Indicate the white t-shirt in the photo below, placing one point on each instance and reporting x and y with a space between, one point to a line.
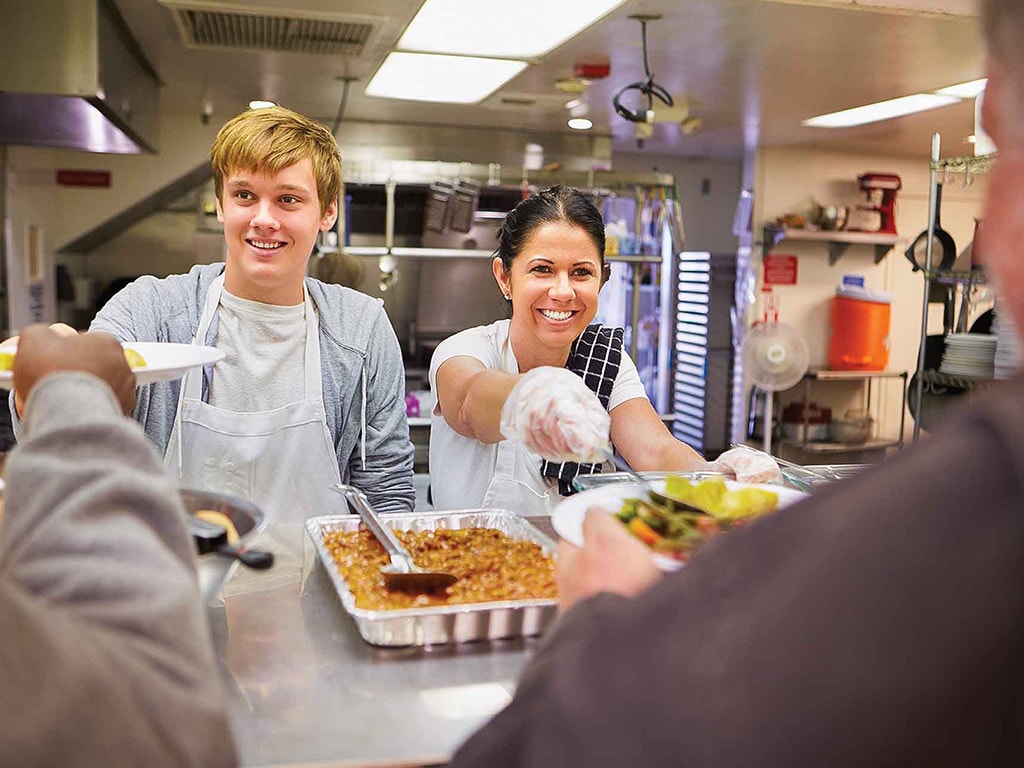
265 348
461 468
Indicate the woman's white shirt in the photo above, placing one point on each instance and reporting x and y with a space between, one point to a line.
461 469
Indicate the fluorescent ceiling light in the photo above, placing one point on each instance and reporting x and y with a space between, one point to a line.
260 104
965 90
581 124
449 79
883 110
521 29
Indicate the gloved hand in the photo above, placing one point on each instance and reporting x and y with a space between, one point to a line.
556 416
748 465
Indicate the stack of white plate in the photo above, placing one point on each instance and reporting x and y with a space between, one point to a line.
971 355
1009 354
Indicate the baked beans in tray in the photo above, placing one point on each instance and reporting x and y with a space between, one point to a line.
505 566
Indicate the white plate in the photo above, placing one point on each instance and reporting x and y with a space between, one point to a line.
567 517
164 361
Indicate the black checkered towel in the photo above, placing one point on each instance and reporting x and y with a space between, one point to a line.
595 357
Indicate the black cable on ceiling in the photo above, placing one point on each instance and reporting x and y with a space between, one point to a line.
647 86
347 81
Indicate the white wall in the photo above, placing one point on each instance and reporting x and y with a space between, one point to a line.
31 204
789 180
64 213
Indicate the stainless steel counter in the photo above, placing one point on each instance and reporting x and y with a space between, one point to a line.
304 688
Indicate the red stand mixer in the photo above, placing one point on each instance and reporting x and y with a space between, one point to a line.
881 189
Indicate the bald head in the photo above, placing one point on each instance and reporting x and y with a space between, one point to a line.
1002 234
1003 22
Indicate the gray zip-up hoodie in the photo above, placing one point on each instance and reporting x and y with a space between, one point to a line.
360 359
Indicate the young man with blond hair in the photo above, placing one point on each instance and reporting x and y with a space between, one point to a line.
311 391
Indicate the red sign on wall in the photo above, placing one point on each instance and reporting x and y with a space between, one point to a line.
83 178
779 269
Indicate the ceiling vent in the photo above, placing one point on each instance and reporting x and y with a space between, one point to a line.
222 26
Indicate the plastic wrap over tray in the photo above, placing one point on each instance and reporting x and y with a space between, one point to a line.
436 625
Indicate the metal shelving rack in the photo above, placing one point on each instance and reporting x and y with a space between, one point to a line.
867 377
968 165
597 183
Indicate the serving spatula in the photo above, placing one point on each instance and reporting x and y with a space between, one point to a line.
402 574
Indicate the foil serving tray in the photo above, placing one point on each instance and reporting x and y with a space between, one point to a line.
442 624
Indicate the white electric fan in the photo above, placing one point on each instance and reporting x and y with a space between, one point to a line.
775 358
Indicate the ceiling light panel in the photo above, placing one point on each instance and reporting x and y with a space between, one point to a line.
449 79
522 29
884 110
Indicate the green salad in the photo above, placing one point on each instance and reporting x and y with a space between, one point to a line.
686 515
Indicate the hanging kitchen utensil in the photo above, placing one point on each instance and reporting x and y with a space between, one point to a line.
945 257
439 197
948 308
965 306
463 206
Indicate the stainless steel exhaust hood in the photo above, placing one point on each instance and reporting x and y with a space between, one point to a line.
74 77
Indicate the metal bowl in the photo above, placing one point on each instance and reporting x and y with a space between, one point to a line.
247 518
830 218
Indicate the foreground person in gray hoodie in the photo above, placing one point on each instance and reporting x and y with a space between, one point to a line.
104 651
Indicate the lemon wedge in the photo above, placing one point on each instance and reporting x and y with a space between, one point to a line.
219 518
134 359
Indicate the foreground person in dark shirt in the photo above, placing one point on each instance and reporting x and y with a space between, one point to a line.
880 623
104 653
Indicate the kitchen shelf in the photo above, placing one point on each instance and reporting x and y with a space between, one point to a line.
949 380
838 241
965 163
867 377
470 253
939 166
830 375
412 172
977 277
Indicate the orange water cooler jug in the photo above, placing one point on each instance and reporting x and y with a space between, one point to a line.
860 330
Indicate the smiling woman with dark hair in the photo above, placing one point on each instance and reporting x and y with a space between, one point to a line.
547 376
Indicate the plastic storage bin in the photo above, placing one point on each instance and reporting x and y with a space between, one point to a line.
860 330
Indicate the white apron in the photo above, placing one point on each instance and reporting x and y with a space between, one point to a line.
282 460
524 497
531 494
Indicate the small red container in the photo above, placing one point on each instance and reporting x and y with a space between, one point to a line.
860 330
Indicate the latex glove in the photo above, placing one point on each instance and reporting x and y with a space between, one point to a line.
610 560
556 416
748 465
